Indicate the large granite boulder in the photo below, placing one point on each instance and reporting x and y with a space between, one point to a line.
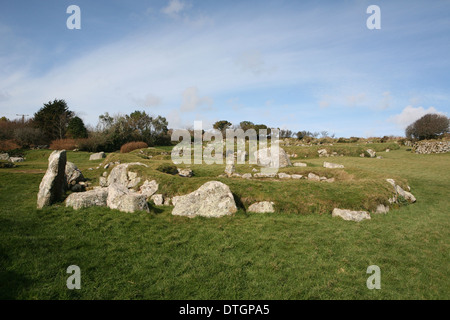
96 197
265 158
213 199
350 215
120 175
125 200
53 184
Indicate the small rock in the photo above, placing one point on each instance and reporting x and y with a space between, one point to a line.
157 199
97 156
332 165
283 175
300 164
186 173
350 215
313 177
262 207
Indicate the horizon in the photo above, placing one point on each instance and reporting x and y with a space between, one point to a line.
288 65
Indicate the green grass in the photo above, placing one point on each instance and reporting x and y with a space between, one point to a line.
289 254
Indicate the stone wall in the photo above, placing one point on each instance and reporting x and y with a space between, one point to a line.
427 147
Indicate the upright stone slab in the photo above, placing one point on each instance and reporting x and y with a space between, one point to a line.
53 184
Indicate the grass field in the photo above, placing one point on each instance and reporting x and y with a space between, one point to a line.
299 252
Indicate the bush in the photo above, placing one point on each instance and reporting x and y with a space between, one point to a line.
168 168
130 146
7 145
28 136
63 144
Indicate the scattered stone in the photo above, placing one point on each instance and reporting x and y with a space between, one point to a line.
283 175
322 152
332 165
73 174
230 169
247 176
313 177
350 215
157 199
330 180
379 157
53 184
97 156
381 208
300 164
96 197
297 176
265 158
107 165
388 150
362 155
371 153
399 191
254 170
186 173
213 199
16 159
264 175
4 156
262 207
167 201
133 179
149 188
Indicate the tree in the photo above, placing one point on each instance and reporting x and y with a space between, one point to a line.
222 125
246 125
76 129
430 126
53 119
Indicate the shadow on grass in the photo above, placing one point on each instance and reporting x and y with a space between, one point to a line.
12 283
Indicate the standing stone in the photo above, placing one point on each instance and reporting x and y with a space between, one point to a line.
350 215
53 184
213 199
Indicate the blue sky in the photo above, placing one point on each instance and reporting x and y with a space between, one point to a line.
302 65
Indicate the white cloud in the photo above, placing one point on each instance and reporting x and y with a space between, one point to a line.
252 61
192 100
174 8
411 114
386 102
148 101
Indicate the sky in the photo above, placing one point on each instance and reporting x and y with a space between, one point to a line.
298 65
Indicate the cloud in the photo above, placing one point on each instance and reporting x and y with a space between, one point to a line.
252 61
356 100
148 101
174 8
386 102
191 100
411 114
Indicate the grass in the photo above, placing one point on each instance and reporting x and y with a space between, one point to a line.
289 254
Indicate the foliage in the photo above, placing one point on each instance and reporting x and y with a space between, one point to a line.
76 129
430 126
53 119
63 144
